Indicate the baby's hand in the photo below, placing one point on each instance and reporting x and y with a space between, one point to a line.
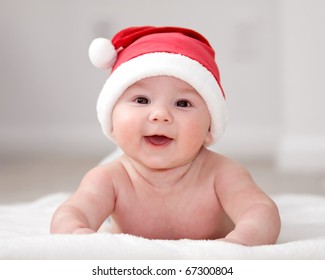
83 231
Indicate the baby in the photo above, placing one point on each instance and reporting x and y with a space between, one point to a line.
163 105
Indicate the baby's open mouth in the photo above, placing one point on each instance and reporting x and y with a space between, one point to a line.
158 140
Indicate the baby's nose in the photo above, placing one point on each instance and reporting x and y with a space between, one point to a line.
161 114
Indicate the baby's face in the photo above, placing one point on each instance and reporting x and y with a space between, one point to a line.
161 122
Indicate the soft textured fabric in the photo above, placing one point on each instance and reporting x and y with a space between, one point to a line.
24 234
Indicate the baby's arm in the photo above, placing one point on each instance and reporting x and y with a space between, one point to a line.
255 215
88 207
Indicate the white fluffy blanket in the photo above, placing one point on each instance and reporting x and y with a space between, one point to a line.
24 234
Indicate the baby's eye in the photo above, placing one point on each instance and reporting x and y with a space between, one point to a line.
142 100
183 103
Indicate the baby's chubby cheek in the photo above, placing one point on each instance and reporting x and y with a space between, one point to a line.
197 133
125 128
121 124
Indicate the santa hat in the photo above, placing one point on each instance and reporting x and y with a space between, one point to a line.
136 53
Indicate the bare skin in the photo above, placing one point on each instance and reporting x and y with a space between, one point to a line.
167 185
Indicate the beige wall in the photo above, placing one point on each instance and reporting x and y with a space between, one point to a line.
48 88
302 141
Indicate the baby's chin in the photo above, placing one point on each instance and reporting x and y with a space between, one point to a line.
161 163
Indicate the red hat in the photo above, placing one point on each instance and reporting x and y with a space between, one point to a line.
136 53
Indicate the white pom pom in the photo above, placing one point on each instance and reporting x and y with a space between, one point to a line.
102 53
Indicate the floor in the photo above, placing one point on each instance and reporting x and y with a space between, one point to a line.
26 179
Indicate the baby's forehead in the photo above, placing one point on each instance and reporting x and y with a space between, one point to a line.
170 81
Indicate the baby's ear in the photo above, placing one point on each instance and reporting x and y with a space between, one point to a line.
208 139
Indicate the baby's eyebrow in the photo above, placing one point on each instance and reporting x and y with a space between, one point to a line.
138 85
141 85
185 87
142 82
188 90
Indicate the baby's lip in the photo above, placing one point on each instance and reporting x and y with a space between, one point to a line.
158 140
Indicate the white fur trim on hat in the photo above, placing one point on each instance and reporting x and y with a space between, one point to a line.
156 64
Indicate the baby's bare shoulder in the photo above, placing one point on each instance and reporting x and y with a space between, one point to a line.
225 169
104 174
221 162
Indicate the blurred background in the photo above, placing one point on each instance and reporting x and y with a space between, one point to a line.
271 54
